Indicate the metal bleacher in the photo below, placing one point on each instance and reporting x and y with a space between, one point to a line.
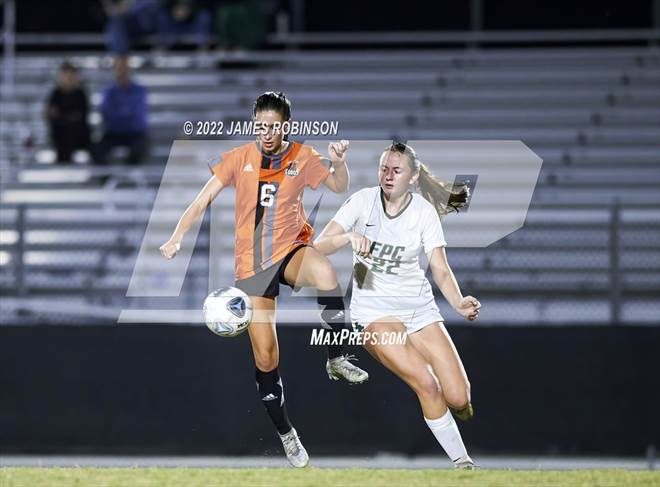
590 249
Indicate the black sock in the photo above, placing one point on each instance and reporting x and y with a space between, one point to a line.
333 314
271 393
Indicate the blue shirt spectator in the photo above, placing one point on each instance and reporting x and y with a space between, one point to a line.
128 20
124 108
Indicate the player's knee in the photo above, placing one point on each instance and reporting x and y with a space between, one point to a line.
427 386
266 360
325 277
458 397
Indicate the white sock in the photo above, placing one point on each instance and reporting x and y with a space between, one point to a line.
446 432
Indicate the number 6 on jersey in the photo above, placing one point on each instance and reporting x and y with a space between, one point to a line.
267 195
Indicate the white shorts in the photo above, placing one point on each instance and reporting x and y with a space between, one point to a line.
413 321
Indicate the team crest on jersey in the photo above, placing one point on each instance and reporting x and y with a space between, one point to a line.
292 170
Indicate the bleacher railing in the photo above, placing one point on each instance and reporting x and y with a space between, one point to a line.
615 296
473 38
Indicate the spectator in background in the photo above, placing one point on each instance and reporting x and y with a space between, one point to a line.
66 113
240 24
127 20
124 111
179 18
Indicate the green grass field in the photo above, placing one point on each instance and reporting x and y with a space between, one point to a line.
197 477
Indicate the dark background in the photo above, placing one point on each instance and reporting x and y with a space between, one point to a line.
373 15
153 389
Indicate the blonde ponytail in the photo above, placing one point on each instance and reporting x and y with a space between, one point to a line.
443 196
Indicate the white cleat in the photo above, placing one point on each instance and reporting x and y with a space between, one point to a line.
295 451
341 367
465 463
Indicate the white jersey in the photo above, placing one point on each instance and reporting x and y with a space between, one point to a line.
391 281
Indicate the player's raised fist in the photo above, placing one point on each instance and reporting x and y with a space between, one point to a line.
361 245
469 308
337 151
170 248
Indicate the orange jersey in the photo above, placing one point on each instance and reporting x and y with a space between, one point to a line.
270 218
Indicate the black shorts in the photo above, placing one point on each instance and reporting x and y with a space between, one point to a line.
267 283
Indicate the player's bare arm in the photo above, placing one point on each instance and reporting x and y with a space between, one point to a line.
338 179
468 307
333 237
194 211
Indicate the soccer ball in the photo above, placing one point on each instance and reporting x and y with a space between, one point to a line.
227 311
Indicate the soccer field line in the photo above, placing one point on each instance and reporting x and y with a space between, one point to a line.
383 461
